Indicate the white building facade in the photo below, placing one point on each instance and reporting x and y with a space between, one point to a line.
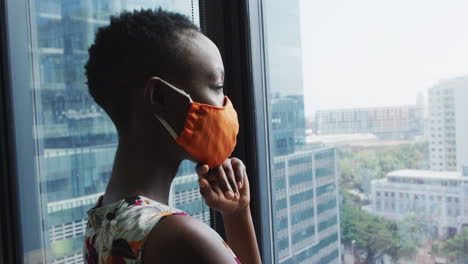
399 122
461 125
448 125
436 198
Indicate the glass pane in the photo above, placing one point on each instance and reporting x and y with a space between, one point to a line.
303 176
369 136
76 141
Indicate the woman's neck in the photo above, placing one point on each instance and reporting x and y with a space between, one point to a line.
143 169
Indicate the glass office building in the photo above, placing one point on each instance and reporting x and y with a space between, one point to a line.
306 211
305 206
304 188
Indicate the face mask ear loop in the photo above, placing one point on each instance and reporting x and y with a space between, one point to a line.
167 126
182 92
163 122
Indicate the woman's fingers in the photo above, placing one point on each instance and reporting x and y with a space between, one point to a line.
223 176
208 193
218 191
202 169
215 182
227 166
224 182
239 169
245 192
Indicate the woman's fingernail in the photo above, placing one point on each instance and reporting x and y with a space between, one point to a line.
230 194
239 184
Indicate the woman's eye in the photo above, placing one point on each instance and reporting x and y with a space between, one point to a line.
219 88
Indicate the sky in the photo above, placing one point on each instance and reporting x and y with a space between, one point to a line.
365 53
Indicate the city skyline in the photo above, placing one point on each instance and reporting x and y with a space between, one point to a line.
384 63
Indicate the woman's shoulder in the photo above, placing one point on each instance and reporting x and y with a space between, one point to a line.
120 229
181 238
133 215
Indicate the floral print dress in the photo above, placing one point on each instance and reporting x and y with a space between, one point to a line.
116 233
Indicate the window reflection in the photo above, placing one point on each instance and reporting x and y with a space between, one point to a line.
304 176
76 141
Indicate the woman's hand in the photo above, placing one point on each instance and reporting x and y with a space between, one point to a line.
226 187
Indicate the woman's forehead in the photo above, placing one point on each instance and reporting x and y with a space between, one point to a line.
203 57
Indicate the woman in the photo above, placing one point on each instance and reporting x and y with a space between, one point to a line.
161 82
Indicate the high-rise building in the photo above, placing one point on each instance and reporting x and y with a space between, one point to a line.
288 124
448 125
306 226
185 193
461 124
306 208
400 122
284 48
304 190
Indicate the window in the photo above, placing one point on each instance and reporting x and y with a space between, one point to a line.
74 139
339 92
309 229
346 96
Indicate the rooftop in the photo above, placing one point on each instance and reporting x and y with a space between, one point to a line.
445 175
341 138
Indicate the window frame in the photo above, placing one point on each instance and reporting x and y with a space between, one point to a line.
17 143
237 28
10 243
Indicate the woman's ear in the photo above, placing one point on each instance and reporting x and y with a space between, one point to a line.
168 102
154 95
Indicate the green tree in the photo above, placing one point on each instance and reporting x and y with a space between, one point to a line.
456 248
370 234
407 237
359 168
376 236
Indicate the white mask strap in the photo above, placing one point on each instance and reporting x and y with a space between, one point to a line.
167 126
182 92
163 122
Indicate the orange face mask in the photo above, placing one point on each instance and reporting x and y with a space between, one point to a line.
209 133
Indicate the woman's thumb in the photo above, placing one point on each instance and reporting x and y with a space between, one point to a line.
202 169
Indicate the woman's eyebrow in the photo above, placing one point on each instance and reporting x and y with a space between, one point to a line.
217 75
221 70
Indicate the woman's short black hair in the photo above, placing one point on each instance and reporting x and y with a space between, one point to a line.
133 47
